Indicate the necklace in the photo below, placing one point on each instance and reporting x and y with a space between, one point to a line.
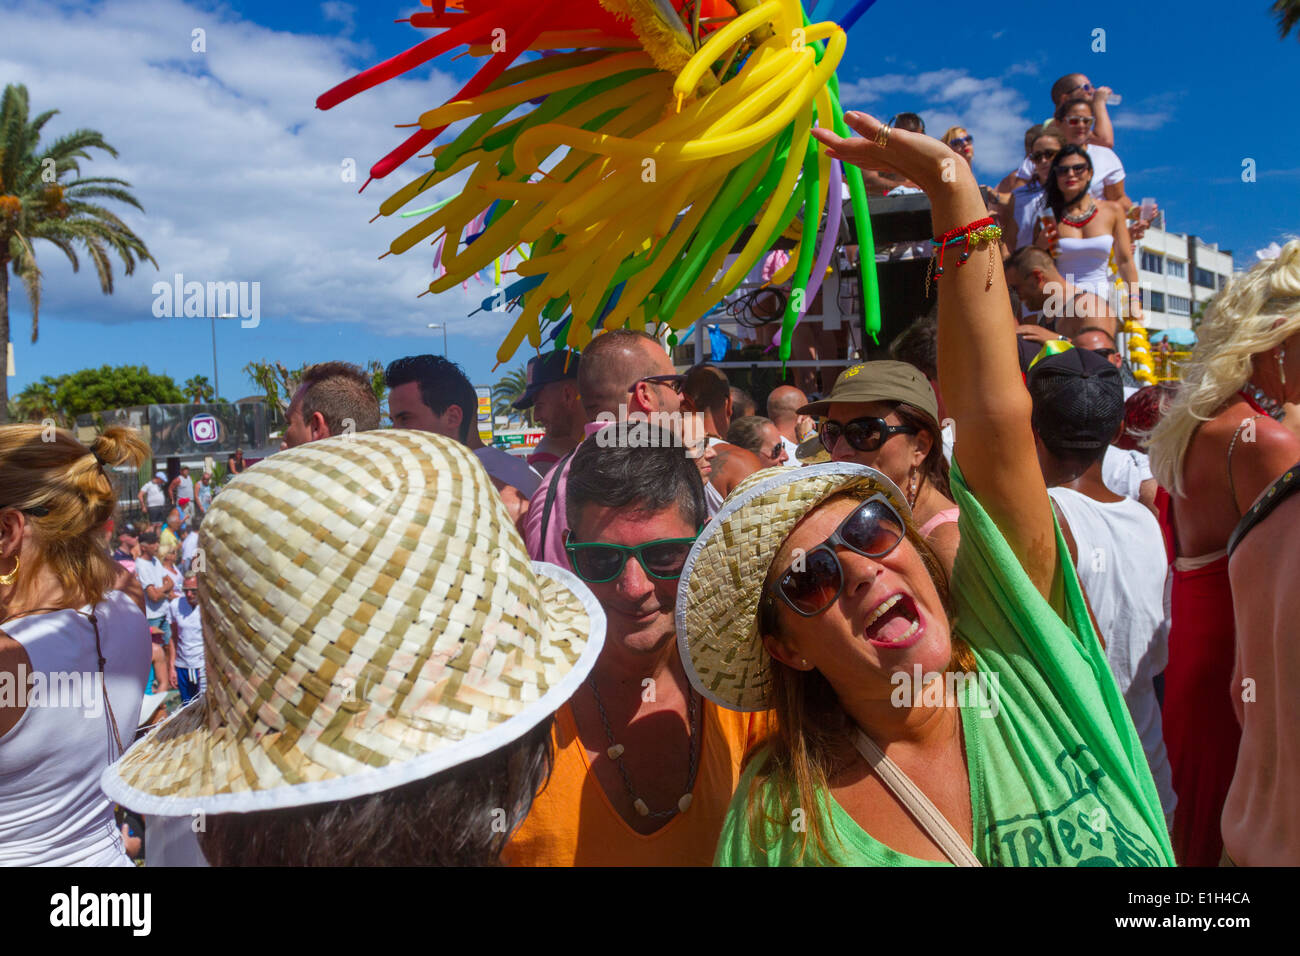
1080 222
1268 406
616 753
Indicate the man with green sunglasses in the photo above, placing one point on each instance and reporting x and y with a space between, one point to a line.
644 765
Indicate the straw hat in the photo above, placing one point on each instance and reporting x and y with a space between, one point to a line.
720 586
370 618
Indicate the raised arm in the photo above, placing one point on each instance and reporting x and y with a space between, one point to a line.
979 366
1103 133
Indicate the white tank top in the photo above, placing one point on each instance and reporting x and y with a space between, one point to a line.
52 811
1084 261
1122 567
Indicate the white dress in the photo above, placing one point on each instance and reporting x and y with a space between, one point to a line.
1083 262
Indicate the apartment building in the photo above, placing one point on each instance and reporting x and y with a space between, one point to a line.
1178 273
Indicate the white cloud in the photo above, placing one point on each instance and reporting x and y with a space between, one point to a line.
1145 121
239 173
1270 251
995 114
339 12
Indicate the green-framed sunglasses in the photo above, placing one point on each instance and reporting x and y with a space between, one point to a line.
599 563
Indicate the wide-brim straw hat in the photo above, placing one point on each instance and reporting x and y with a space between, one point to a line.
722 581
370 618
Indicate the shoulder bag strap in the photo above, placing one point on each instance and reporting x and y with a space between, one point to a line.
925 813
560 465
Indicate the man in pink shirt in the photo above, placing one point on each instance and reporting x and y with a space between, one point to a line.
622 373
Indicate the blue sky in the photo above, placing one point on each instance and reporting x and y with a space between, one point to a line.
241 176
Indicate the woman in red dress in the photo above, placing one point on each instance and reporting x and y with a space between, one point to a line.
1218 446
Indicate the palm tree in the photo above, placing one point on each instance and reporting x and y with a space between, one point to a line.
37 402
44 196
507 390
199 390
1288 15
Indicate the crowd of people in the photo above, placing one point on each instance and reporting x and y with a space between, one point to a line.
948 612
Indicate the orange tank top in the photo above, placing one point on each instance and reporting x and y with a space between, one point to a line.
573 823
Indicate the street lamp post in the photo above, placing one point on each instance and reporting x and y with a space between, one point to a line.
443 326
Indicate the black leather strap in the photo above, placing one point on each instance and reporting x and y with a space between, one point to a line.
550 494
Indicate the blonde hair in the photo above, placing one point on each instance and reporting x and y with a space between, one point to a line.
46 468
1256 312
949 136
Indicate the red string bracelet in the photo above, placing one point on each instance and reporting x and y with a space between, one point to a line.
981 230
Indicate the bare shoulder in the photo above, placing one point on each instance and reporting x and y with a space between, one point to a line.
944 539
1259 459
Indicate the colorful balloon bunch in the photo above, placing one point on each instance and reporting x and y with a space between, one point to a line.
632 157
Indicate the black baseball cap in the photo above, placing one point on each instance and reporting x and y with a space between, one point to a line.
1078 401
558 366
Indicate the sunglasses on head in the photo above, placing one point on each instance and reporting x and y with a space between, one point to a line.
864 434
599 563
1043 155
675 382
1074 169
815 581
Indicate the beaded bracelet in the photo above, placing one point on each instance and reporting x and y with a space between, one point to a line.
981 230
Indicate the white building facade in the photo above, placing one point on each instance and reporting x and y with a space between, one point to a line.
1177 274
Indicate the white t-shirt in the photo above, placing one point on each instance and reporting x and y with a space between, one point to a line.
152 574
506 467
1122 568
189 630
1027 204
189 548
949 436
1106 170
154 496
791 448
1124 471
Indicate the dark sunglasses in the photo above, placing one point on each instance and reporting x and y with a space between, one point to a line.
1080 120
1074 169
961 141
599 563
815 582
775 451
1106 353
675 382
37 512
1086 87
864 434
1043 155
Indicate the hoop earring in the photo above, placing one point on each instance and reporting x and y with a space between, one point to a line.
12 576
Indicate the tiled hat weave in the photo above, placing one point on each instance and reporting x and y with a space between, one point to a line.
370 618
722 582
